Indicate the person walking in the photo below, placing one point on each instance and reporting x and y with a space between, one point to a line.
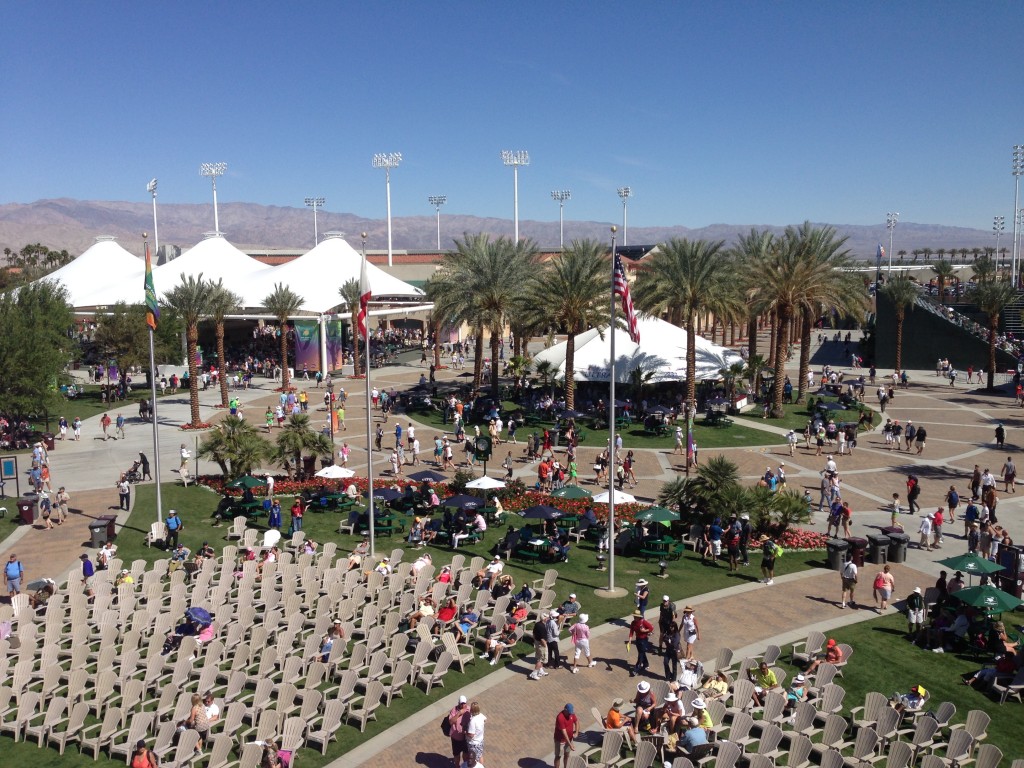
580 635
62 499
1009 475
458 724
105 425
124 493
475 734
14 572
76 425
672 649
639 630
690 631
848 575
540 647
119 427
554 656
88 575
144 466
768 555
883 587
567 728
174 529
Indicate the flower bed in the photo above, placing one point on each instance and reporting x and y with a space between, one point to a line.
189 427
801 539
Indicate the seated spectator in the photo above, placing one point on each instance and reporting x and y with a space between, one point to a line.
309 547
504 586
911 701
352 492
645 703
716 687
689 677
498 642
465 625
334 634
833 655
1005 666
38 598
524 595
416 533
616 721
424 610
179 557
568 610
797 692
694 736
383 567
361 550
700 711
445 577
124 577
107 553
205 552
486 576
764 680
671 712
446 615
418 565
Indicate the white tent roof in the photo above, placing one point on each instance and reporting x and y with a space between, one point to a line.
96 276
662 349
318 274
216 259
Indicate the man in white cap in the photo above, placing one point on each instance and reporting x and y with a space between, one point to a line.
569 609
554 657
458 722
580 634
915 613
694 736
666 615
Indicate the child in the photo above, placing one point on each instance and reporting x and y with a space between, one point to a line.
894 518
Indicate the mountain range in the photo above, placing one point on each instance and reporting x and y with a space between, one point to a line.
75 224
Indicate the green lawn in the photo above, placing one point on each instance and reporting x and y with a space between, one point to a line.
797 416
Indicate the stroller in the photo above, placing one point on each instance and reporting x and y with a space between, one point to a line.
133 475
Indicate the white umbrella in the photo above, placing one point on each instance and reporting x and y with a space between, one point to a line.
621 497
335 472
486 483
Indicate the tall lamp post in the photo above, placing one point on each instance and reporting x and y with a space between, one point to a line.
387 161
1018 170
625 193
890 224
213 170
560 196
330 413
437 201
314 203
151 188
998 227
515 159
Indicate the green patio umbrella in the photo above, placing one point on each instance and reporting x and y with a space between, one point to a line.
971 564
657 515
988 597
571 492
247 481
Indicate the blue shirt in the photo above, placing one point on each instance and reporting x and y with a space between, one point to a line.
173 523
88 570
693 737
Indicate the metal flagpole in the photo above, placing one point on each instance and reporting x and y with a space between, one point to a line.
152 388
363 287
611 435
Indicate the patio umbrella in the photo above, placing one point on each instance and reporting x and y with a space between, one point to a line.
988 597
542 512
462 501
570 414
388 494
832 407
570 492
428 475
657 515
971 564
486 483
335 472
621 497
199 616
37 584
247 481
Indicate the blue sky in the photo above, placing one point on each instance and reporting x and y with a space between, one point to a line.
760 113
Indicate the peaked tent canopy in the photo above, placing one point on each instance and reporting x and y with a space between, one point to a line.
88 278
662 349
216 259
318 274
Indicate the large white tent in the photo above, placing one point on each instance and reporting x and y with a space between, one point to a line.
216 259
100 275
662 349
318 274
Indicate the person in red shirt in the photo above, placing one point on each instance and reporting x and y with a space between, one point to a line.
567 728
297 510
639 631
937 528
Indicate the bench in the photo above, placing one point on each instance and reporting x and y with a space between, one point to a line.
528 554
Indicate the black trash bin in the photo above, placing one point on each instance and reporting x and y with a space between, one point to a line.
837 553
898 547
27 511
857 548
48 440
98 533
878 548
111 522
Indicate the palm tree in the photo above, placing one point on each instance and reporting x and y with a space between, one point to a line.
639 377
992 297
752 248
282 303
685 278
902 254
235 446
943 272
570 293
903 293
984 270
351 292
190 299
299 437
222 302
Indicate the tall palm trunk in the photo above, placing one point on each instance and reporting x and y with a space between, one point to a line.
191 345
436 331
570 375
356 341
993 329
285 378
478 356
495 349
900 312
805 354
773 343
222 367
751 338
785 312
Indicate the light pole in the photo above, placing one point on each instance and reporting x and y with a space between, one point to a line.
890 224
330 413
314 203
151 188
437 201
387 161
998 227
515 159
213 170
1018 170
561 195
625 193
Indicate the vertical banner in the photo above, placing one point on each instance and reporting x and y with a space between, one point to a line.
335 342
307 345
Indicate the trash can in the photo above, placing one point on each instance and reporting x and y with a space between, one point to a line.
878 548
837 553
98 533
555 435
857 549
111 522
48 441
898 547
27 511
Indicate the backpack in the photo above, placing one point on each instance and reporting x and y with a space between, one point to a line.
446 725
779 551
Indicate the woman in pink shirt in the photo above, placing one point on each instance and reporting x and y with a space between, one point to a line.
580 635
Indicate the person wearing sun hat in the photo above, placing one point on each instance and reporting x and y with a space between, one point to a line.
767 559
700 711
671 712
616 721
641 595
666 615
645 702
639 630
915 612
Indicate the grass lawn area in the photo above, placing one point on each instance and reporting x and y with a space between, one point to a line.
797 416
884 660
9 524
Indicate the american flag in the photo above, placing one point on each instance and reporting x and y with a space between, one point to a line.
620 287
879 254
364 299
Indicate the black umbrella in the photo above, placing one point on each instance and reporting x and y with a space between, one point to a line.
428 475
388 494
832 406
462 501
542 512
570 414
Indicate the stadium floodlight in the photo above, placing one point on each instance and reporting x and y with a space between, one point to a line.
560 196
625 193
437 201
515 159
213 170
314 203
890 224
151 188
1018 171
387 161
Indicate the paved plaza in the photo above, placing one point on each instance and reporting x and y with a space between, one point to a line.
960 424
